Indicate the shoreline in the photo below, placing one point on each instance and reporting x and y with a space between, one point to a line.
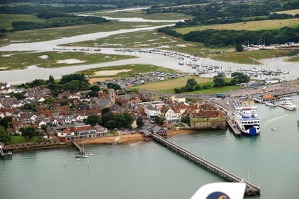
109 140
128 138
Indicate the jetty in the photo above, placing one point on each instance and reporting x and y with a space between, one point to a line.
233 127
229 120
251 190
78 147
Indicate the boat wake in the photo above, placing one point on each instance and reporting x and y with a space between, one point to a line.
274 119
134 144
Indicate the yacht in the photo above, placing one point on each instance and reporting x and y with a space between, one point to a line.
271 104
288 105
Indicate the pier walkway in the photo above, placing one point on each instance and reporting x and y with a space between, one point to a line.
251 190
229 120
233 127
79 148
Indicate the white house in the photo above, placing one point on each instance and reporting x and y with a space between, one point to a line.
81 117
33 117
41 99
172 116
41 123
151 111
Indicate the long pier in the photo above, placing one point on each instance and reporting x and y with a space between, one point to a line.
251 190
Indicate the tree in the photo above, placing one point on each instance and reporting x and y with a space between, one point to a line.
139 122
51 79
68 78
186 119
159 120
29 107
4 136
19 96
239 48
219 81
6 121
123 120
191 85
44 127
114 86
49 100
238 78
76 85
105 110
95 88
27 132
93 120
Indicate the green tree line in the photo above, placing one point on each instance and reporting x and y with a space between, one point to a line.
116 3
192 85
233 37
227 12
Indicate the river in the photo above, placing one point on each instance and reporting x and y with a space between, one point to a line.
34 72
148 170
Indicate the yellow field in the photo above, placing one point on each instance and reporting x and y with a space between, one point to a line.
252 25
289 12
172 84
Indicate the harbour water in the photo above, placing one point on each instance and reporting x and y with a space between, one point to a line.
148 170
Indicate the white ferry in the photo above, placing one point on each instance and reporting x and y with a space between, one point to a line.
247 120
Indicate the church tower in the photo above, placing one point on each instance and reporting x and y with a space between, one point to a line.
112 95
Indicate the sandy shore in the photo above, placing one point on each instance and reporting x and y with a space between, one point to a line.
128 138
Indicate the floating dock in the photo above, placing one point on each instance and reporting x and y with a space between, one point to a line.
251 190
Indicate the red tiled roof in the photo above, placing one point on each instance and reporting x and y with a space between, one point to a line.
77 129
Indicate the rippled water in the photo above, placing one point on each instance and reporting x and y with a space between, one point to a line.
148 170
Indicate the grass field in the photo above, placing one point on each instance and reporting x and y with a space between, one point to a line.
57 33
136 68
13 60
252 25
142 14
250 57
170 85
17 139
7 19
289 12
216 90
294 59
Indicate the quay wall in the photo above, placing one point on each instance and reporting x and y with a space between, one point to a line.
34 146
208 124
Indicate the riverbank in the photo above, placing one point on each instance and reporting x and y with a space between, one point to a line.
128 138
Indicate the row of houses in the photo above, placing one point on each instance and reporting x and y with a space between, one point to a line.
63 119
174 109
